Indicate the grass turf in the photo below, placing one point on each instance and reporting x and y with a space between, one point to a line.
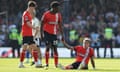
102 65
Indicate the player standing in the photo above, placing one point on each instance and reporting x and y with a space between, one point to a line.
28 35
51 21
36 34
83 54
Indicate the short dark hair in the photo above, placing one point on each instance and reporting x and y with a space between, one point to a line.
32 4
54 4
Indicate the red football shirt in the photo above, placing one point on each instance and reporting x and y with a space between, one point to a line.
80 51
26 30
50 22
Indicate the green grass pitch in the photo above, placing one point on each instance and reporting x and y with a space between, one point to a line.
102 65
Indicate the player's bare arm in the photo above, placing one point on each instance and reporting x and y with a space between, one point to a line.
67 46
30 25
93 62
41 30
61 29
37 30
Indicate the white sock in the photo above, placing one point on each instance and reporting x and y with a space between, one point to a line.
39 62
36 64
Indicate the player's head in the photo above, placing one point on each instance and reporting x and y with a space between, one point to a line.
86 42
55 6
32 4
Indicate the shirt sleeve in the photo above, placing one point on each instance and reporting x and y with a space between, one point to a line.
26 18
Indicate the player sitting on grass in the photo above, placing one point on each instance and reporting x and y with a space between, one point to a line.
83 54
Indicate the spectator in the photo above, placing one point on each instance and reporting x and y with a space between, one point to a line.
108 40
95 43
14 36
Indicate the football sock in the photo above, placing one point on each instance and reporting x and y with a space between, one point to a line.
22 56
56 59
35 55
46 57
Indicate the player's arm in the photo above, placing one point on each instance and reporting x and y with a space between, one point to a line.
61 29
42 24
66 45
93 62
37 30
60 26
30 25
41 30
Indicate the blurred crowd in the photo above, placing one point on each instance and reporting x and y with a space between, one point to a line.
97 19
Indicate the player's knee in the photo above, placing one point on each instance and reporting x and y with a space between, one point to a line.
24 47
33 46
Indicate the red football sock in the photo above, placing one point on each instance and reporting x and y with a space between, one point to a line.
35 55
56 59
46 57
22 56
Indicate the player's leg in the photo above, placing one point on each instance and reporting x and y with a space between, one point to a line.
22 55
52 51
39 56
27 56
37 41
34 53
74 65
54 47
28 53
33 46
47 39
47 54
55 55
